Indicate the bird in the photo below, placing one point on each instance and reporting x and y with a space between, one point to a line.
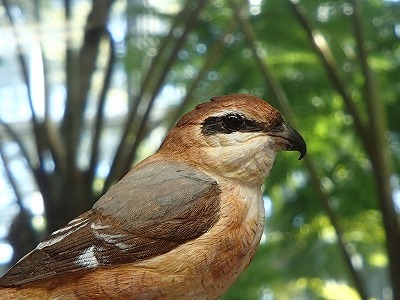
181 224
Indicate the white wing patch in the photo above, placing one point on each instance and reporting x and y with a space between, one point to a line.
62 233
109 238
99 226
87 258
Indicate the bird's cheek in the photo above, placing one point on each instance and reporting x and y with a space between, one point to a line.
212 141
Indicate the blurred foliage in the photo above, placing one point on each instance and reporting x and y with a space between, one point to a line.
299 257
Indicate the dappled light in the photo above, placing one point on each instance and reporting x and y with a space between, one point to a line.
90 89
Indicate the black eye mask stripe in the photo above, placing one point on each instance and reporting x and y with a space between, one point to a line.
220 124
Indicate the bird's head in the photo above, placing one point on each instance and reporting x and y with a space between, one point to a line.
232 136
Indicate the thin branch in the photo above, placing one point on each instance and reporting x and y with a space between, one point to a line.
151 73
324 199
21 146
380 155
265 71
39 176
50 136
56 147
23 216
78 88
100 109
21 222
284 102
190 24
10 176
115 171
369 84
70 94
212 55
39 142
322 50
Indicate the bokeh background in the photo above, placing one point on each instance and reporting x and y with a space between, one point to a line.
89 88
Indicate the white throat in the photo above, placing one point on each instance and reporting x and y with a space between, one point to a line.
247 156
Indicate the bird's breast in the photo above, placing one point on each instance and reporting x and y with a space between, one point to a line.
207 266
241 228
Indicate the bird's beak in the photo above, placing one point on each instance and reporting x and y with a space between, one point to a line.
295 141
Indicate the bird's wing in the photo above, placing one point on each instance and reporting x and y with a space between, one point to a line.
151 211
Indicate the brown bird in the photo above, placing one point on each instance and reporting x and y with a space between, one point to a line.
182 224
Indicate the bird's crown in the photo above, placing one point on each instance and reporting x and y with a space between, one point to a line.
250 107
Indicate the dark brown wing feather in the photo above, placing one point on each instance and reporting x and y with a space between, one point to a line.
151 211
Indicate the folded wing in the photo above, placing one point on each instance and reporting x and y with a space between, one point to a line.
152 210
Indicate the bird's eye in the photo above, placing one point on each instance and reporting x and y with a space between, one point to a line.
233 122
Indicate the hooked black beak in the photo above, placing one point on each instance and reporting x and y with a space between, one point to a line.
295 141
